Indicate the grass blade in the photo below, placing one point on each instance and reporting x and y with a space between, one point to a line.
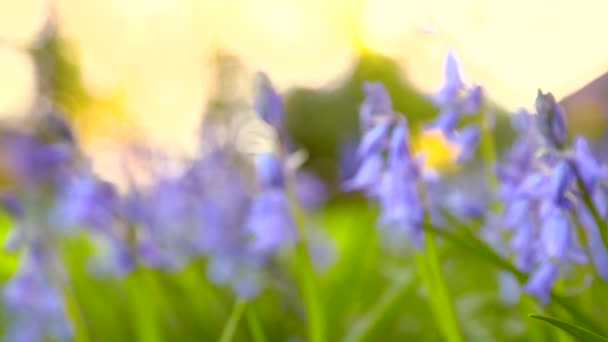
572 329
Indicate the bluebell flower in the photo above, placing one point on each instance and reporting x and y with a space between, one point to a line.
270 221
35 305
389 172
552 119
377 104
454 100
310 191
453 84
268 103
541 282
86 201
32 161
537 185
587 165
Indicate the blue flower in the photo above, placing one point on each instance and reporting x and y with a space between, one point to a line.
450 90
389 173
538 187
454 100
268 103
541 282
35 305
309 190
552 119
34 162
270 221
87 201
377 104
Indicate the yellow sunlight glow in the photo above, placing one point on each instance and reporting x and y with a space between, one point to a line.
510 47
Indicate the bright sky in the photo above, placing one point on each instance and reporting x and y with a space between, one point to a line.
157 52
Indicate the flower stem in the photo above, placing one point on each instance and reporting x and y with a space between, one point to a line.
588 201
255 326
308 285
233 321
145 310
81 331
439 298
487 146
479 248
391 299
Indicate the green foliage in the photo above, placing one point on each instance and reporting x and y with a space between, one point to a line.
578 332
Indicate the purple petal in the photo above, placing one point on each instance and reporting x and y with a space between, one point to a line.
541 282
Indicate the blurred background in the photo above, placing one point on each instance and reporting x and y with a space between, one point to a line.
150 69
126 71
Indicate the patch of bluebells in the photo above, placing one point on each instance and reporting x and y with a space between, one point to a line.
233 211
395 176
389 172
456 101
539 188
543 200
238 213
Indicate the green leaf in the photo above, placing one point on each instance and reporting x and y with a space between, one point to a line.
574 330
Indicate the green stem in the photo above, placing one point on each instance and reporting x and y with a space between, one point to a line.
486 253
586 196
233 321
536 333
81 331
255 326
439 298
306 277
142 294
487 147
310 294
391 299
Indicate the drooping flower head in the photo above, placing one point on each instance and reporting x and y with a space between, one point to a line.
539 190
454 100
552 121
270 221
388 171
268 103
34 302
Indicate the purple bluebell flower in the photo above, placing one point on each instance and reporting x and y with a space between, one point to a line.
541 282
35 305
455 100
452 86
270 221
309 190
268 103
34 162
377 103
543 203
389 172
587 165
555 234
467 139
552 119
368 175
87 201
473 100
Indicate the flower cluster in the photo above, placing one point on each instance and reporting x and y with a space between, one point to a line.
456 101
389 171
238 213
543 200
220 206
